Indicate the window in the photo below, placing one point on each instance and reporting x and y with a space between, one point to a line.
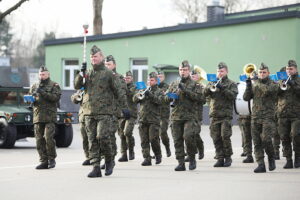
139 69
70 69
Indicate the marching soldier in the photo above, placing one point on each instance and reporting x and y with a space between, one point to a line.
262 92
85 141
221 107
165 115
244 122
47 95
149 119
184 116
288 114
101 86
126 125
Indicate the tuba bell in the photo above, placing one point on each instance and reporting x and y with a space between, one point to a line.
201 72
249 69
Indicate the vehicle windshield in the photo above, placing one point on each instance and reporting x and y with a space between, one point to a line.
12 97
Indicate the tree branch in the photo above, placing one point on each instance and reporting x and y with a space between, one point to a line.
11 9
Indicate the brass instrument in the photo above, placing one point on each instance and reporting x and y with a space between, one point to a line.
141 93
249 69
77 96
283 85
201 72
213 88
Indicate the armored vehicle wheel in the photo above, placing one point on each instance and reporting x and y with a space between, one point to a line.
8 136
64 135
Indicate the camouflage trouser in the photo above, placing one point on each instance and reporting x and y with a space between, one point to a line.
220 132
198 139
262 131
99 134
163 132
85 140
276 138
45 143
289 129
245 127
113 140
149 134
125 132
184 131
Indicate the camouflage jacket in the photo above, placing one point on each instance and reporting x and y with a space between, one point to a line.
102 87
46 103
131 105
117 101
263 92
150 106
221 101
289 100
200 105
185 108
165 107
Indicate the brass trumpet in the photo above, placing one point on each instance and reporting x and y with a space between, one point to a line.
77 96
249 69
213 88
283 85
141 93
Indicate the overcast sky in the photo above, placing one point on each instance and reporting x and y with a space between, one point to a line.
65 17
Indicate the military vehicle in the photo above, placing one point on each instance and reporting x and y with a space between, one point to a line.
16 116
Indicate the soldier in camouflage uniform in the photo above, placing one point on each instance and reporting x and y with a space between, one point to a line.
262 92
47 95
165 115
126 125
220 113
288 113
244 122
110 63
85 141
149 119
101 88
184 116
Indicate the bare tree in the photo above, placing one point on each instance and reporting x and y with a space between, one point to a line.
11 9
98 21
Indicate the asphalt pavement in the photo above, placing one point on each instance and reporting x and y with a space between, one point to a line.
130 180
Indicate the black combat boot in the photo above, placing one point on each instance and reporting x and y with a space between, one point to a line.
297 162
187 159
51 163
261 168
168 151
86 162
180 166
193 164
96 172
277 156
227 162
248 159
131 155
109 166
272 164
146 162
201 155
243 154
288 164
43 165
123 158
219 163
157 160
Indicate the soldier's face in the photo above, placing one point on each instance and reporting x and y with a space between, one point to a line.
291 70
96 59
262 74
184 72
44 75
161 77
110 65
152 81
128 79
222 72
195 77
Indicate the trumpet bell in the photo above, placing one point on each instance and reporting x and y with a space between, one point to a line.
249 69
